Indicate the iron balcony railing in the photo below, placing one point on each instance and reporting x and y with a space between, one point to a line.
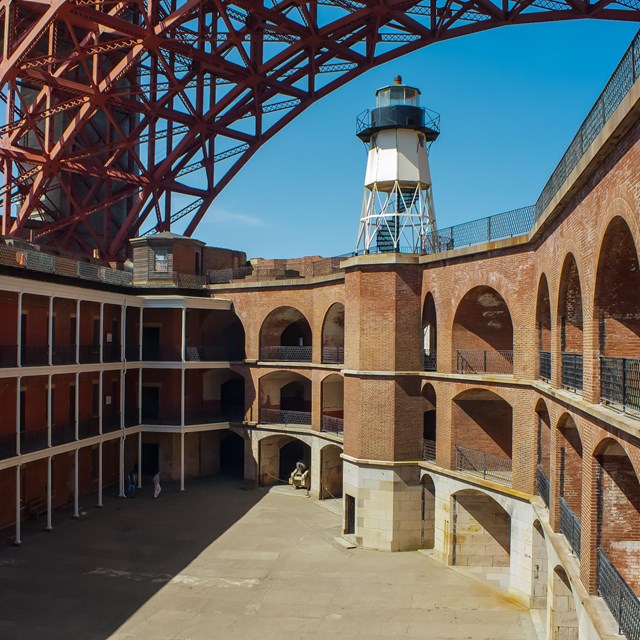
431 361
331 424
161 353
545 366
64 354
542 485
7 447
111 352
110 423
484 361
131 417
285 354
212 353
34 440
619 597
132 352
620 382
8 355
228 415
333 355
485 465
35 356
89 354
429 450
570 526
89 427
63 433
572 371
285 416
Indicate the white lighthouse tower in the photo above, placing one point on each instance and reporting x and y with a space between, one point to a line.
397 211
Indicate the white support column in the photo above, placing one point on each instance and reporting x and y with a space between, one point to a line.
182 460
18 443
123 381
18 539
139 459
123 331
100 402
140 333
76 488
77 412
49 410
101 344
19 336
49 491
182 399
121 493
50 330
100 474
140 395
78 305
184 334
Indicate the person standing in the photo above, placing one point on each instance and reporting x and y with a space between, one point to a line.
156 484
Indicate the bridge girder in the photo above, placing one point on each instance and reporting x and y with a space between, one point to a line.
124 116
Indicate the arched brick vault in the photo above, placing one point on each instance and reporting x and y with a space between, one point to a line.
276 323
544 316
332 333
571 306
271 384
569 439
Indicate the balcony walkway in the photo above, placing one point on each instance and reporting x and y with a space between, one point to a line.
246 564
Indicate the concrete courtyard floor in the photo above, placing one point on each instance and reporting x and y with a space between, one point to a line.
221 562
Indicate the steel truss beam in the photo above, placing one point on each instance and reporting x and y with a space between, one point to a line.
123 116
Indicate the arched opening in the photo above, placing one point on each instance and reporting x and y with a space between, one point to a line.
543 325
285 398
231 455
333 404
570 445
564 619
543 469
429 423
482 432
428 512
429 334
278 458
333 335
540 571
214 335
481 536
330 472
213 395
617 310
618 492
285 335
483 333
570 325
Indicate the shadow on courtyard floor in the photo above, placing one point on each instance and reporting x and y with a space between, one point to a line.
53 586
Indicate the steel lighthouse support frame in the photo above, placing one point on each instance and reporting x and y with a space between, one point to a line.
123 116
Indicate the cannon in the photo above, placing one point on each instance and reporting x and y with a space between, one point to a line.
300 477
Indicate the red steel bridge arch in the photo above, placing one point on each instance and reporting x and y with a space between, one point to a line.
123 116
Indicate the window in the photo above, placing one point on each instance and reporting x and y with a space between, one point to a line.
161 260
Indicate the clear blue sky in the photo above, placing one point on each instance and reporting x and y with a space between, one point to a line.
510 100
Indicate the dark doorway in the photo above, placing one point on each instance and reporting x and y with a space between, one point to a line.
290 453
232 399
150 403
150 458
150 343
232 455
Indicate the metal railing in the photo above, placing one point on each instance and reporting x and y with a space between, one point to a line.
7 447
285 416
619 597
572 371
204 417
62 433
89 354
484 361
285 354
570 526
486 465
332 424
110 423
132 352
111 352
34 440
429 450
431 361
545 366
619 85
333 355
35 356
161 353
542 485
64 354
88 427
8 355
212 353
620 382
